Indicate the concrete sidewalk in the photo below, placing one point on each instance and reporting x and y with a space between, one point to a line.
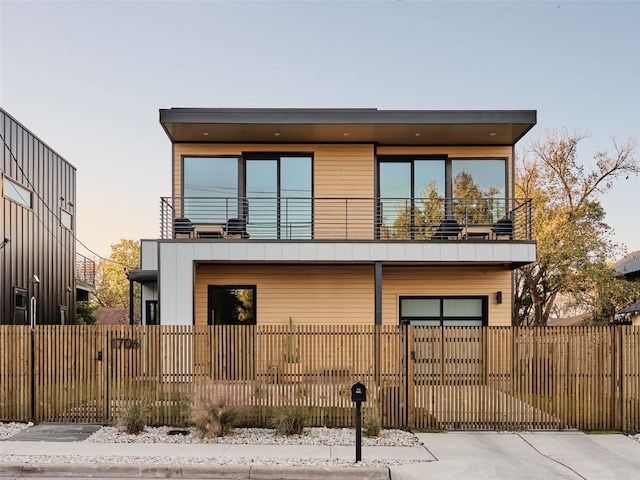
457 455
525 456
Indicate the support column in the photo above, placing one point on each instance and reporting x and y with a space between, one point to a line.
377 268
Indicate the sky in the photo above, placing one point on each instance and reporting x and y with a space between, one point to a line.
89 77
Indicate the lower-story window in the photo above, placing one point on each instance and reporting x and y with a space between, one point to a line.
151 316
444 311
232 305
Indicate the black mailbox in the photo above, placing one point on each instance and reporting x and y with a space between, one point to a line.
358 392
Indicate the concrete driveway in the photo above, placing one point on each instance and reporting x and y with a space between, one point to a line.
524 456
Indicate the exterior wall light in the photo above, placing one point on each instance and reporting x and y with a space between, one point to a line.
499 296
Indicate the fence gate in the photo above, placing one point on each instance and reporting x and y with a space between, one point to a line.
69 374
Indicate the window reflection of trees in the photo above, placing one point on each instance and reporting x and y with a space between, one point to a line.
231 306
470 205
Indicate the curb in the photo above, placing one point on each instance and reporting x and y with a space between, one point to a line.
221 472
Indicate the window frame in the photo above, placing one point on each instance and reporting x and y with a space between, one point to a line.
406 319
19 198
277 156
210 311
15 308
233 211
448 169
66 214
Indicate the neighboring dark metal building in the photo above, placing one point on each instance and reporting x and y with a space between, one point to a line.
37 244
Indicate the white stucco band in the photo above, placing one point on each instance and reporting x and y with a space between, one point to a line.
176 260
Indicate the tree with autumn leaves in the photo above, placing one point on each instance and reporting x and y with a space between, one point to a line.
574 245
112 283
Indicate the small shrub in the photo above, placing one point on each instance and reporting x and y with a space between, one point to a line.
371 423
214 417
133 419
291 421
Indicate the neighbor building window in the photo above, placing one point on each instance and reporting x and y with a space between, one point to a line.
231 305
16 192
20 305
66 219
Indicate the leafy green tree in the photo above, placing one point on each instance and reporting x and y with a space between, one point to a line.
84 313
112 283
573 240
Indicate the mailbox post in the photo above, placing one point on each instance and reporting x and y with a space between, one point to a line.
358 395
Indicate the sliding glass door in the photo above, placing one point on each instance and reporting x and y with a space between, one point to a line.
279 195
410 190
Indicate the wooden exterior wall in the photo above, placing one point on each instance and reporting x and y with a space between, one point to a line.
447 281
309 294
38 243
344 294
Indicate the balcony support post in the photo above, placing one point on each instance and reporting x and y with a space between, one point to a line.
377 269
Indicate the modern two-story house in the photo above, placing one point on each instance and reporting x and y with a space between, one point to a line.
338 216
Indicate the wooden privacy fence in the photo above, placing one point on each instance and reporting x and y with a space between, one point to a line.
417 377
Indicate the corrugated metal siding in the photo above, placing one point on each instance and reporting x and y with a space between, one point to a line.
401 281
38 243
310 294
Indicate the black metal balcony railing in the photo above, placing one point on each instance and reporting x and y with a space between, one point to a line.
85 270
264 218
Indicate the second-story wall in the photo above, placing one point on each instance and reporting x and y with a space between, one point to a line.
339 170
343 180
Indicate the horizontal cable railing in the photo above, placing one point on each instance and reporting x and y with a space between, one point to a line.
85 270
297 218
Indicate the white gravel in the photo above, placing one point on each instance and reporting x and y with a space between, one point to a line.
259 436
9 429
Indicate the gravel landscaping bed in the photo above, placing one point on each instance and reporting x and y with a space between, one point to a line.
248 436
257 436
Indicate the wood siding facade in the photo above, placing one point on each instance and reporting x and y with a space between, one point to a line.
345 294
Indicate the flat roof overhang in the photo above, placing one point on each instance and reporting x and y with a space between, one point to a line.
370 125
143 276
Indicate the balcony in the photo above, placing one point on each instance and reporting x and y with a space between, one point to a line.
349 219
85 273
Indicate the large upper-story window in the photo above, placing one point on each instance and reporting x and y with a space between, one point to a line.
279 196
418 193
269 193
210 189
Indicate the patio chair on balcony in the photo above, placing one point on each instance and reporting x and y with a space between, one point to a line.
182 226
503 228
449 228
236 228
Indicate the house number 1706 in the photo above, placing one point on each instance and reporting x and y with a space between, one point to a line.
127 343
